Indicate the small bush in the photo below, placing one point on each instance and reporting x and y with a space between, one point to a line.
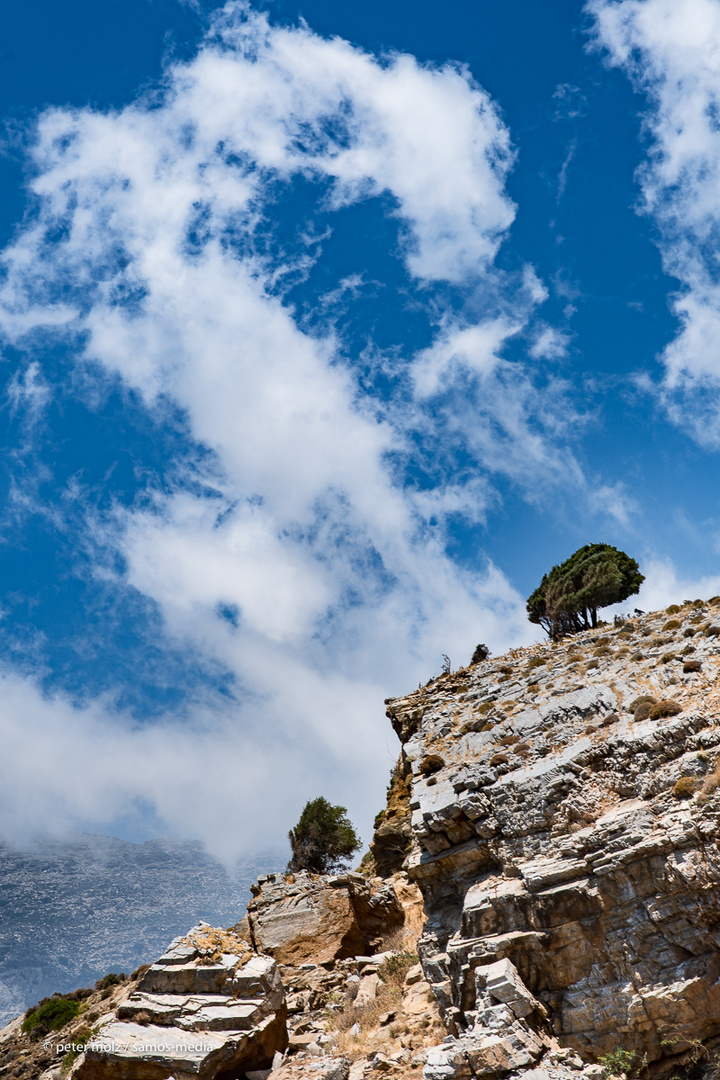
481 653
672 624
51 1014
710 784
618 1062
499 759
508 740
690 632
691 665
667 657
393 970
430 764
611 718
486 707
592 664
686 787
642 700
665 708
673 609
643 711
712 631
602 651
111 979
533 687
487 727
637 657
505 670
537 661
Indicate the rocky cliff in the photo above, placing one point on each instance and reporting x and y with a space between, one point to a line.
564 806
550 849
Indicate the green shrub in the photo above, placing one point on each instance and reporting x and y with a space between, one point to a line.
686 787
665 708
618 1062
50 1014
692 665
486 707
672 624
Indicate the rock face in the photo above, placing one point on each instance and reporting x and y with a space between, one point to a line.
209 1007
567 852
302 917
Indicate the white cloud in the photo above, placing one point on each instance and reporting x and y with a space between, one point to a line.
335 575
671 51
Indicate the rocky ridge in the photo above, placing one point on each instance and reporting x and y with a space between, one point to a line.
549 848
565 819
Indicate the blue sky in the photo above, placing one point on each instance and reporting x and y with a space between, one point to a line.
327 330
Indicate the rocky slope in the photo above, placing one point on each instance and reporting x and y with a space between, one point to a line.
549 848
564 808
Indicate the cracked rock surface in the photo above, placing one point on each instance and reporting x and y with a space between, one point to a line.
559 832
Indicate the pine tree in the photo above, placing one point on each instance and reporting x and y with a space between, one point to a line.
568 597
323 838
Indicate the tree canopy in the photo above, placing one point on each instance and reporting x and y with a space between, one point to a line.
568 597
323 838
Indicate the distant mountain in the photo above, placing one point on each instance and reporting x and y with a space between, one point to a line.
72 910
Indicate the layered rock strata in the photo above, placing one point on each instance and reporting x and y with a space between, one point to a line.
210 1007
559 832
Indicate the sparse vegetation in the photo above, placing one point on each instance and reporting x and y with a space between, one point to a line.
691 665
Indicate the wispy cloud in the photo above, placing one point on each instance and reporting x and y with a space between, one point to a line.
308 558
670 51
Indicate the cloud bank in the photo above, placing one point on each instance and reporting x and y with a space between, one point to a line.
300 542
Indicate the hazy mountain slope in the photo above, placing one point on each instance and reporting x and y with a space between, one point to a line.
70 911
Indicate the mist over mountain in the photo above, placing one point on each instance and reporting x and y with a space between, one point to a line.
72 910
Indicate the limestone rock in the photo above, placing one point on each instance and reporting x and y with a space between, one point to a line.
210 1004
304 917
570 894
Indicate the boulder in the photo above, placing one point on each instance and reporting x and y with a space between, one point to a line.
304 917
210 1004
